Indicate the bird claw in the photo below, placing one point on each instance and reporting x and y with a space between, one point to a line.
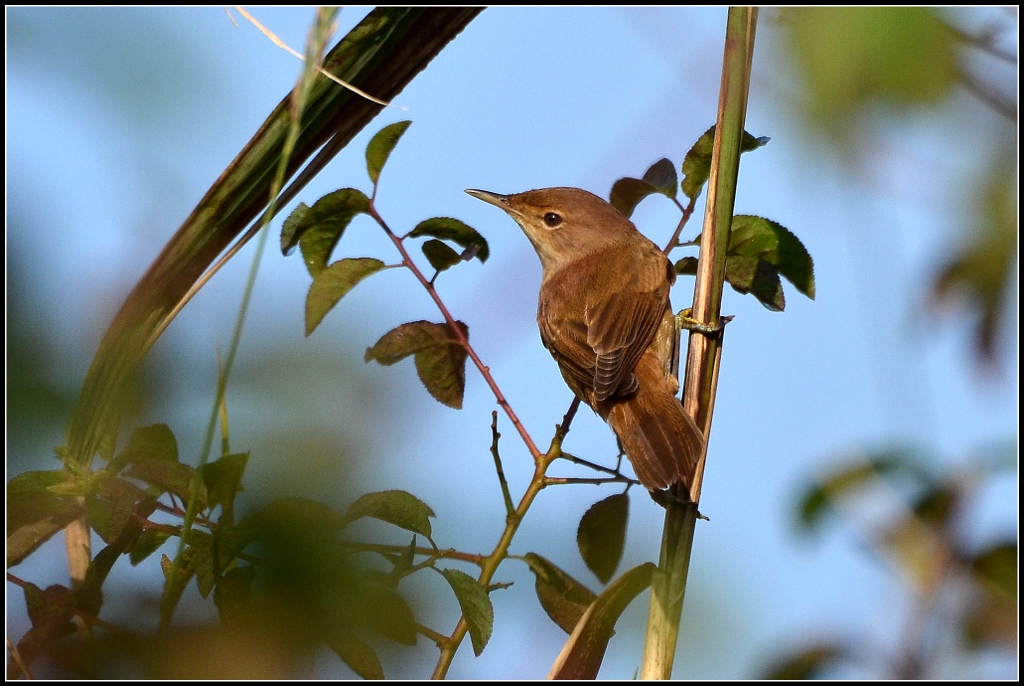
685 322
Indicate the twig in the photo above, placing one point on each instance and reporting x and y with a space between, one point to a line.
510 507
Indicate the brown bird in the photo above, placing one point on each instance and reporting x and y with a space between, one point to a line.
604 314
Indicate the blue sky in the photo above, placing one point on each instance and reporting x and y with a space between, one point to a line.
118 121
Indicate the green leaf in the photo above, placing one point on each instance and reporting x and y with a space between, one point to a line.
155 442
233 594
563 598
356 653
33 514
171 477
318 229
686 266
757 277
697 163
148 543
108 517
439 355
583 653
223 479
50 611
476 607
627 193
996 567
852 475
662 175
769 241
440 255
333 283
601 535
396 507
380 147
449 229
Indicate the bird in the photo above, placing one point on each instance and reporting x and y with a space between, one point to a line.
604 315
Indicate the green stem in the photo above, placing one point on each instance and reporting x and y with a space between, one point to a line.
669 585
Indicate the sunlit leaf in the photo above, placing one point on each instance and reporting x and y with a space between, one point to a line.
449 229
770 241
601 535
396 507
380 147
476 607
697 163
563 598
583 653
440 357
333 283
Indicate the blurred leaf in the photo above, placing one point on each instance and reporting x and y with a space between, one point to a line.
981 271
333 283
769 241
107 517
810 663
33 514
856 473
383 610
223 479
601 535
476 607
396 507
51 612
920 551
450 229
440 255
697 163
155 442
233 594
583 653
357 654
855 57
439 355
318 229
175 582
992 619
380 147
148 543
563 598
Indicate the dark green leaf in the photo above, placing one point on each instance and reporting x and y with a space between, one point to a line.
357 654
380 147
396 507
148 543
563 598
762 238
601 535
318 229
449 229
440 255
172 477
476 607
108 517
155 442
33 515
627 193
687 266
175 581
440 357
333 283
996 567
810 663
662 175
233 594
387 613
697 163
223 479
757 277
583 654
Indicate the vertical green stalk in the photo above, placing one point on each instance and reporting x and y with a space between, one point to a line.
703 354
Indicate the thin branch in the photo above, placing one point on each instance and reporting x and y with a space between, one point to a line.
673 242
510 507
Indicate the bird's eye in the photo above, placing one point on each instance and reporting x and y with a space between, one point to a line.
552 219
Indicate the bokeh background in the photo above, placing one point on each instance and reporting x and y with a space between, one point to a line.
118 120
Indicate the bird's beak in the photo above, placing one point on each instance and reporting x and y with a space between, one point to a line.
496 199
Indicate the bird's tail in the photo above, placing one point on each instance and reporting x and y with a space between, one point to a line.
660 439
